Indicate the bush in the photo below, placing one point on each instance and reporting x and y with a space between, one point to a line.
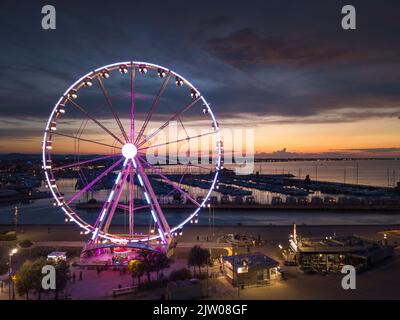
8 236
26 243
181 274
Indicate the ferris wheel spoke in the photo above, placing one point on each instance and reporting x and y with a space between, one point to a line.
79 163
111 106
125 207
181 179
80 108
153 107
180 121
166 123
132 119
94 181
82 139
189 164
199 166
179 140
171 183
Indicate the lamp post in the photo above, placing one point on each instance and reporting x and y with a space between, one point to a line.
208 261
213 221
16 218
209 218
12 252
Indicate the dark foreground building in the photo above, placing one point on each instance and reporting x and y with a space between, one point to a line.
330 254
250 269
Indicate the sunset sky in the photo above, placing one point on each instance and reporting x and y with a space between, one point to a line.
283 68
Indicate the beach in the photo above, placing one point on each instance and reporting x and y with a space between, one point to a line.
190 233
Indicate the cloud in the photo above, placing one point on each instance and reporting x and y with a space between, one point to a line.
246 47
213 22
269 62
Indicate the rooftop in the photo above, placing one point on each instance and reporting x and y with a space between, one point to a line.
252 260
336 244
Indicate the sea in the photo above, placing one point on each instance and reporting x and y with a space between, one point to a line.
385 173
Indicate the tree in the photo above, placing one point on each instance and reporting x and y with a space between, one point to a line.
37 275
136 269
29 277
62 277
25 279
148 262
161 262
198 257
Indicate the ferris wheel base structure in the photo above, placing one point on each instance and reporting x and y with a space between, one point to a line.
90 247
126 153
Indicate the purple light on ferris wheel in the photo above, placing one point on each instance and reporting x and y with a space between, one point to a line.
68 101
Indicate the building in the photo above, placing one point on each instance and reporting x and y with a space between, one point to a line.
250 269
57 256
330 254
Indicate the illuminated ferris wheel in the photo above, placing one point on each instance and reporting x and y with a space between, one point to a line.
109 136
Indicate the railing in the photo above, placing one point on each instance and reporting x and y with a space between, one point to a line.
123 291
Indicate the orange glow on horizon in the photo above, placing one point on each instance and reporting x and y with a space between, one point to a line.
295 137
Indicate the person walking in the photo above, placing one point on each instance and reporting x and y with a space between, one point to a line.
80 276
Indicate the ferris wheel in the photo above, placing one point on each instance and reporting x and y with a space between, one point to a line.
100 134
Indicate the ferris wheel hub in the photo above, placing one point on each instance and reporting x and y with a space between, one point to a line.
129 151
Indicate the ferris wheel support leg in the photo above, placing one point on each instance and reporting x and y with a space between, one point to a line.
107 204
116 199
158 216
131 201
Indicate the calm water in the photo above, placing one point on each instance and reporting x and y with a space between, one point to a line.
371 172
382 173
43 212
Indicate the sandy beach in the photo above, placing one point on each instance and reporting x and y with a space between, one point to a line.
267 233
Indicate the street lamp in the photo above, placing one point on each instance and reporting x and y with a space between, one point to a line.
12 252
16 218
